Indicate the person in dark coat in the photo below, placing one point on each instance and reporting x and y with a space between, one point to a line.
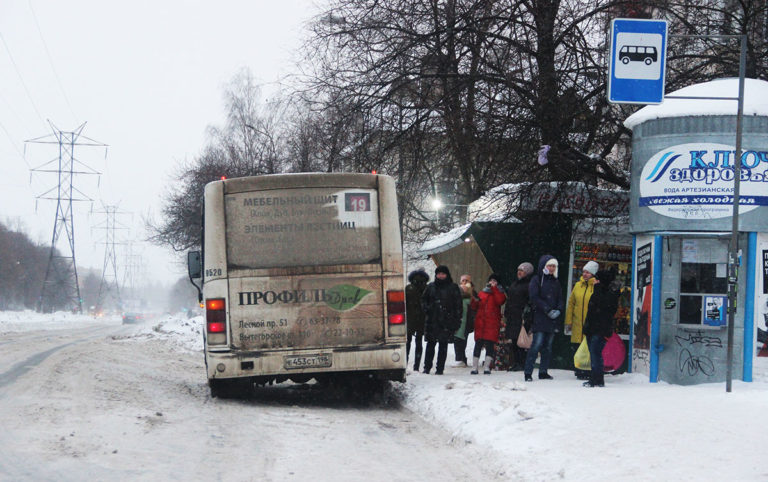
598 325
516 309
442 306
414 314
546 297
488 322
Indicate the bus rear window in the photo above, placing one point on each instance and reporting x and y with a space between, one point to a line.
302 227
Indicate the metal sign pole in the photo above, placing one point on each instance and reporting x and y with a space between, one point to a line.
733 250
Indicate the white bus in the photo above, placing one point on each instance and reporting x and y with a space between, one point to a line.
301 278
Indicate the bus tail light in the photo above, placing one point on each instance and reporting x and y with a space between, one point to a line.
216 320
396 312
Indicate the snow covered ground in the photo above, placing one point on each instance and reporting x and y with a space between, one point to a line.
545 430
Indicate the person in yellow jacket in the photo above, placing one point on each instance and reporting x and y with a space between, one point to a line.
576 312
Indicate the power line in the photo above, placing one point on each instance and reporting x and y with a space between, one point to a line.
15 147
50 61
21 123
21 79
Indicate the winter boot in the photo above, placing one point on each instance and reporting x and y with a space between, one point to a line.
416 363
475 364
598 380
487 370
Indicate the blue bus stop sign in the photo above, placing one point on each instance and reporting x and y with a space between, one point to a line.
637 64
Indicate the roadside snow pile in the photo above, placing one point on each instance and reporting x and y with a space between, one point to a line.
178 330
557 429
13 321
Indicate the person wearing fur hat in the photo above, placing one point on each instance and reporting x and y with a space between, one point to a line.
516 309
414 314
579 301
488 322
547 300
598 325
442 306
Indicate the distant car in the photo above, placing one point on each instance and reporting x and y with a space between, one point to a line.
132 318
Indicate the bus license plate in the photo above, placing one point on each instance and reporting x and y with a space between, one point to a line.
307 361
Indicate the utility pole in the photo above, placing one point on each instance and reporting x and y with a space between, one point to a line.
61 288
110 285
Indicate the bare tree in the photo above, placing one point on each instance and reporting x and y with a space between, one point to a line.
22 270
693 60
453 97
251 142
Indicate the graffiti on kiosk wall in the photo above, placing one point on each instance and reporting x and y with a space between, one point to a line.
695 181
689 359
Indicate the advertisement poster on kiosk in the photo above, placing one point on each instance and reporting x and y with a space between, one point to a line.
715 309
641 318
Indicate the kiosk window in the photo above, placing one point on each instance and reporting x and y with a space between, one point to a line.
703 288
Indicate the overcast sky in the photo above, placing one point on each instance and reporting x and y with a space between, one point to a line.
148 78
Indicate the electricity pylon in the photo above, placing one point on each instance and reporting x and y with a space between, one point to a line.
109 286
61 288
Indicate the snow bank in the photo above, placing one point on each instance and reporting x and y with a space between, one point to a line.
15 321
185 334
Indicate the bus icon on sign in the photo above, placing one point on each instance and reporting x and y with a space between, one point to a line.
638 53
637 56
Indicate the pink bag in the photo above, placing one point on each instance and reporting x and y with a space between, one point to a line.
614 353
524 339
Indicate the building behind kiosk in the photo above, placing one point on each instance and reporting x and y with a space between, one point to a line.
680 217
515 223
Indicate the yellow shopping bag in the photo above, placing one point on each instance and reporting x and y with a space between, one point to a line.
581 358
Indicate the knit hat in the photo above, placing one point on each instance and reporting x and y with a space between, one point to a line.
494 276
420 273
443 269
551 262
592 267
605 276
526 268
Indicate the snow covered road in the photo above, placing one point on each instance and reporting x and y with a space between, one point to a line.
108 403
94 400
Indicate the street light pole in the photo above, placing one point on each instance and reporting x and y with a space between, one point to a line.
733 249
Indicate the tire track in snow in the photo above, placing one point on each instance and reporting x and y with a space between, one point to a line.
21 368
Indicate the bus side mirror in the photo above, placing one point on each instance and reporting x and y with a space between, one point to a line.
194 265
195 270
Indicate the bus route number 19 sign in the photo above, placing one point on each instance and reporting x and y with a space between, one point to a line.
637 63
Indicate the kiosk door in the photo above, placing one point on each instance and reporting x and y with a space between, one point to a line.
694 310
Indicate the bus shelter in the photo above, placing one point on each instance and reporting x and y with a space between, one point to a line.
515 223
